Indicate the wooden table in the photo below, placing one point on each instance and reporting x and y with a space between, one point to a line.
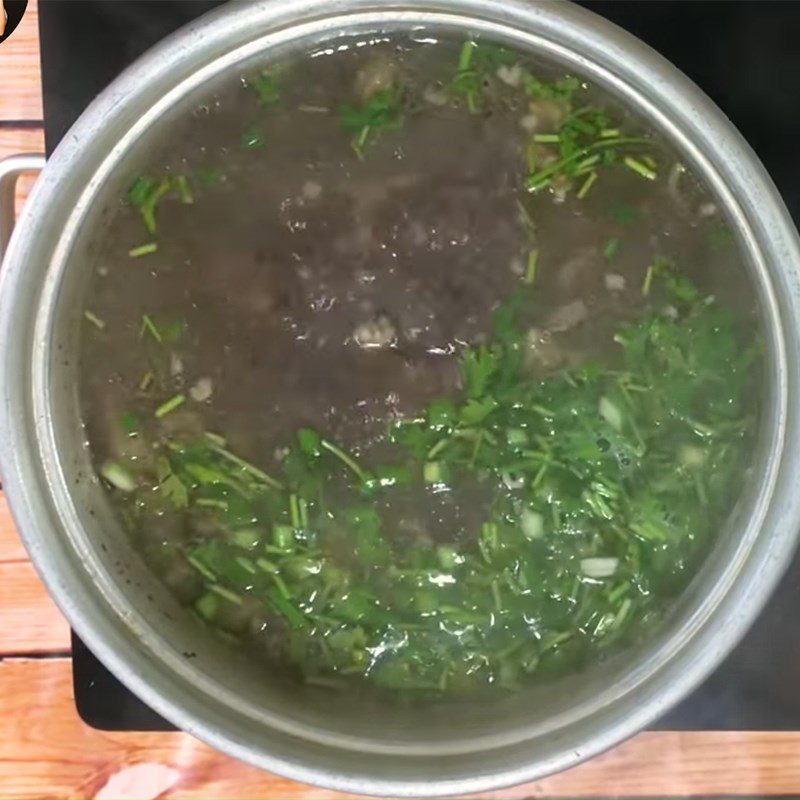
47 751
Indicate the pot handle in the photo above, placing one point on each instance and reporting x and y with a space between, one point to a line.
10 169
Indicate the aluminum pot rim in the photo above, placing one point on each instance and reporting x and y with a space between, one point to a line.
19 450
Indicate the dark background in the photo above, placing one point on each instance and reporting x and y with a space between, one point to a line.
745 55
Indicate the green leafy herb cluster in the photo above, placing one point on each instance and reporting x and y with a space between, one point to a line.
265 85
605 485
585 142
584 139
574 151
476 74
383 111
147 193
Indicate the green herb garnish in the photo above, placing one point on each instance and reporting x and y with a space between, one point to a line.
605 485
382 112
611 249
167 408
253 137
143 250
476 73
94 319
265 85
148 326
561 91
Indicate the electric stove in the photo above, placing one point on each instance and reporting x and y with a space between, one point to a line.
743 54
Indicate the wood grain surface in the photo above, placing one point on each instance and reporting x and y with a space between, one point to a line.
46 751
20 77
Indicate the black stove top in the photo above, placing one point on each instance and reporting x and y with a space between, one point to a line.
743 54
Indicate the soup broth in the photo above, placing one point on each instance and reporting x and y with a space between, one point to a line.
419 366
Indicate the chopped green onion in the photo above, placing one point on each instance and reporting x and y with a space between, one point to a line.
148 326
360 140
432 472
516 436
532 524
282 587
587 184
622 614
212 502
143 250
207 606
283 536
184 191
146 381
266 565
345 459
449 557
246 538
465 56
303 504
294 511
611 249
648 280
118 476
265 85
599 567
610 413
640 167
146 194
226 594
530 269
544 176
246 564
94 319
582 167
253 138
129 424
546 138
167 408
205 571
244 465
498 600
309 441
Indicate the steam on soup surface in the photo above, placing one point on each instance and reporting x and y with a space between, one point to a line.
420 366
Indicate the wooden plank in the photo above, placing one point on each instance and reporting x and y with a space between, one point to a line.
32 622
11 548
13 141
46 751
21 97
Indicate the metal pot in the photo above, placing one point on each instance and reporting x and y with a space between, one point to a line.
153 646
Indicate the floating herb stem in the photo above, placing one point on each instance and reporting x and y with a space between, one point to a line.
347 460
640 168
586 186
94 319
530 268
143 250
171 405
148 326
